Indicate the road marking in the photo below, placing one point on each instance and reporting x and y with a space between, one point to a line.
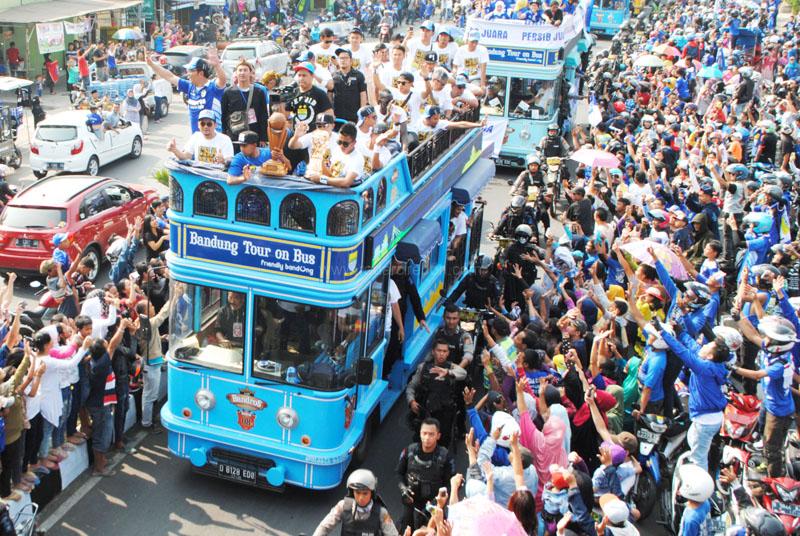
87 486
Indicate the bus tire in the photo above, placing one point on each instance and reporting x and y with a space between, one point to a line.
362 449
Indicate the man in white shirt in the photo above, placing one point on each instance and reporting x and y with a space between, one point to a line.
324 50
445 48
322 77
207 146
162 93
386 75
461 98
417 47
431 123
362 58
320 143
346 164
471 59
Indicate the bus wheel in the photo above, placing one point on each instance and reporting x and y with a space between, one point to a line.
361 450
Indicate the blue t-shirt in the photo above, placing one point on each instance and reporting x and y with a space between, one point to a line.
158 43
693 522
777 384
651 373
240 160
62 258
207 97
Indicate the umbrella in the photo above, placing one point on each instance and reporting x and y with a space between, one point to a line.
9 83
648 60
638 251
595 158
710 71
478 516
128 34
666 50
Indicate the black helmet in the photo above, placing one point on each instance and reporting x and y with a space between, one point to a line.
775 193
523 233
761 523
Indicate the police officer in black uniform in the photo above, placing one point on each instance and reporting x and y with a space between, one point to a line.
531 176
554 144
462 350
424 468
432 391
480 286
361 512
519 253
517 213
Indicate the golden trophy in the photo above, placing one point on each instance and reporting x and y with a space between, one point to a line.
278 165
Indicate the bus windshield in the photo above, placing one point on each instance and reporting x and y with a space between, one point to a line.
207 327
612 4
532 99
307 345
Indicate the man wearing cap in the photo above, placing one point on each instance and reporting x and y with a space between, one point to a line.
325 50
202 92
417 47
615 517
208 147
431 123
250 157
349 87
244 106
445 48
461 97
311 100
471 59
346 164
440 90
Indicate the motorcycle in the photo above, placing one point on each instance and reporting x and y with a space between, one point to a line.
660 440
782 498
385 34
675 506
552 177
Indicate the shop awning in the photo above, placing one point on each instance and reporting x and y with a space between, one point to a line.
60 9
419 241
473 181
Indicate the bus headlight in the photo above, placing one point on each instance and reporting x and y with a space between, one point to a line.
525 134
205 399
287 418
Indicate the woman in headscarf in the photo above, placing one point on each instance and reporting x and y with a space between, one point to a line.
616 414
132 108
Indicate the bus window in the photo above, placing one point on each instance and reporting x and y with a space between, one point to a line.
381 195
495 100
298 213
533 99
319 347
207 327
252 206
377 309
343 219
428 261
369 206
210 200
175 195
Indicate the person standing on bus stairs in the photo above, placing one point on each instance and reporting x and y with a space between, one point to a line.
424 468
462 348
149 342
407 292
203 93
479 287
432 391
362 511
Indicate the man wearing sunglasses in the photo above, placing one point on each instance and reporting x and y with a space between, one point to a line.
208 147
325 50
346 164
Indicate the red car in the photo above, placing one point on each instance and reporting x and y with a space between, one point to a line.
91 209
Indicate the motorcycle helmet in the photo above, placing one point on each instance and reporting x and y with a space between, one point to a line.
523 233
775 194
731 336
482 265
761 222
785 179
517 203
780 333
361 480
553 127
746 72
659 343
701 292
761 523
739 171
696 484
764 274
533 158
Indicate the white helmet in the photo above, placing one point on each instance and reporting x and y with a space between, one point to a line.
696 484
362 479
780 332
501 419
731 337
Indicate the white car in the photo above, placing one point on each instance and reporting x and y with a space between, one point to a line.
64 142
263 55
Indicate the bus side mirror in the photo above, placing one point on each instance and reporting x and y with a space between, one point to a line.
364 370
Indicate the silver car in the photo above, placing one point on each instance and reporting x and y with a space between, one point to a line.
263 55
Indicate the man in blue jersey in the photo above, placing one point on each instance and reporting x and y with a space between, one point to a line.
203 92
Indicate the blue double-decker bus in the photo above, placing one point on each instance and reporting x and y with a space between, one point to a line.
279 311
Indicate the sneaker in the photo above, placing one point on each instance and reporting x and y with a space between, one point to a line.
153 429
30 477
15 496
104 472
67 447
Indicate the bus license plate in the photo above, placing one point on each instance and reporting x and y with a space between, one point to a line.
237 473
786 509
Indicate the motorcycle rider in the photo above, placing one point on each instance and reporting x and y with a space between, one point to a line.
479 287
519 253
554 143
531 176
361 512
516 214
776 337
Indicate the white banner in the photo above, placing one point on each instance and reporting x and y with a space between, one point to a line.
495 132
50 36
77 28
519 34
